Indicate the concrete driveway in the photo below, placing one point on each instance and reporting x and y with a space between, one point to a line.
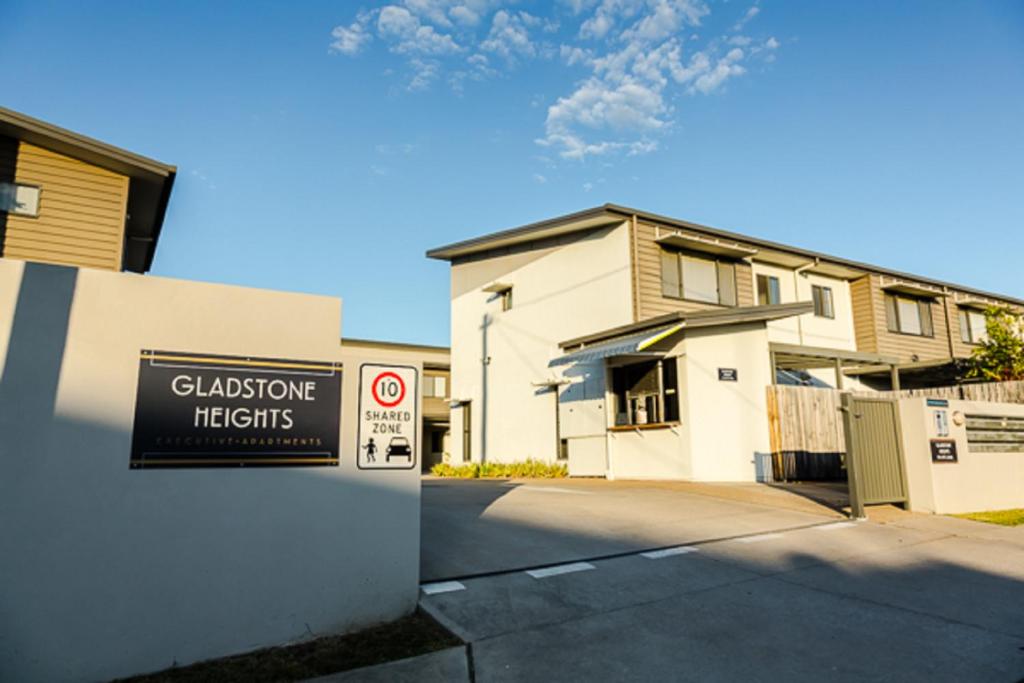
476 527
918 598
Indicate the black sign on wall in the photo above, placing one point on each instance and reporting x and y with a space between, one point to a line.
728 375
943 450
224 411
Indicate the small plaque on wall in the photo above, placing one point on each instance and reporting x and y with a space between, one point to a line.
728 375
943 450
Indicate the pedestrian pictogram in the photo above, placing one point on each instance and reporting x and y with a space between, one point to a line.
388 420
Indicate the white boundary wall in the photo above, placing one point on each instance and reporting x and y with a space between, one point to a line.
977 481
106 571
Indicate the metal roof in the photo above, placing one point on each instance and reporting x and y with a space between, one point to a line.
678 320
608 214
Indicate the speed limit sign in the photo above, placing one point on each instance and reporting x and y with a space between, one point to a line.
388 432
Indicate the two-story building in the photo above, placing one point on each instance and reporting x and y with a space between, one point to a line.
72 200
636 345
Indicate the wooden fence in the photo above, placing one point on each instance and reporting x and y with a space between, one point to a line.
805 426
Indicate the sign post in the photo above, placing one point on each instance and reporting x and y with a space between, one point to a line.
388 434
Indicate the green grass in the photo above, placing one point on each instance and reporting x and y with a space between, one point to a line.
530 469
414 635
1013 517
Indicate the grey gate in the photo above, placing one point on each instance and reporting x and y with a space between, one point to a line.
874 452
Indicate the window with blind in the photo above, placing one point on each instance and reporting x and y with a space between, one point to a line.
768 290
972 326
822 298
907 315
695 278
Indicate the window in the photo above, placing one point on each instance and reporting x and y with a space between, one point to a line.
435 386
768 290
646 393
909 316
19 200
972 326
506 299
697 279
822 297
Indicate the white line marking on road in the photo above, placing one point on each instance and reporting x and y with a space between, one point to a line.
837 525
442 587
669 552
758 538
560 569
551 489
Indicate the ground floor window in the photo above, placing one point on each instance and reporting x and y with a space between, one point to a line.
646 393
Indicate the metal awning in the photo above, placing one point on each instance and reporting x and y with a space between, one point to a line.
497 287
913 289
632 345
706 245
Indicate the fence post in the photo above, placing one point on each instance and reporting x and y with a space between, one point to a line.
853 483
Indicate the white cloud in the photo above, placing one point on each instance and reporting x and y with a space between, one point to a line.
575 55
433 11
425 72
641 57
409 36
539 178
464 15
747 16
587 187
510 35
350 39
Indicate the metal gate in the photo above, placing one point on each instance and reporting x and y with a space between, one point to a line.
874 452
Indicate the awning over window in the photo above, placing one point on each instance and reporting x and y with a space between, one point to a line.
623 346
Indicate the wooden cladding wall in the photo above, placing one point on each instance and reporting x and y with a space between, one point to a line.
82 210
649 299
870 324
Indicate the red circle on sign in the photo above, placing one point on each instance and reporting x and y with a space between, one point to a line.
401 390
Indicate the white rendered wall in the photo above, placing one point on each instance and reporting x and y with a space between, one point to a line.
977 481
107 571
559 292
808 329
725 423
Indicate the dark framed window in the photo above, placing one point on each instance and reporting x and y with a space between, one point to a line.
907 315
506 299
823 303
768 291
646 393
697 278
972 326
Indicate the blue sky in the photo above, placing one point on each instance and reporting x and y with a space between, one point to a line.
323 147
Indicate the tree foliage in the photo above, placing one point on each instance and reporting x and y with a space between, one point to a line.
1000 357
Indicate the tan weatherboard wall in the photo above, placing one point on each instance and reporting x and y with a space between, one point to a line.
649 300
82 209
870 321
977 481
873 334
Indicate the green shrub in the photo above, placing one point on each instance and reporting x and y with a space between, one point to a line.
530 469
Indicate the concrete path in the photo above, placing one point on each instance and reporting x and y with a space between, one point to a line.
478 527
914 598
